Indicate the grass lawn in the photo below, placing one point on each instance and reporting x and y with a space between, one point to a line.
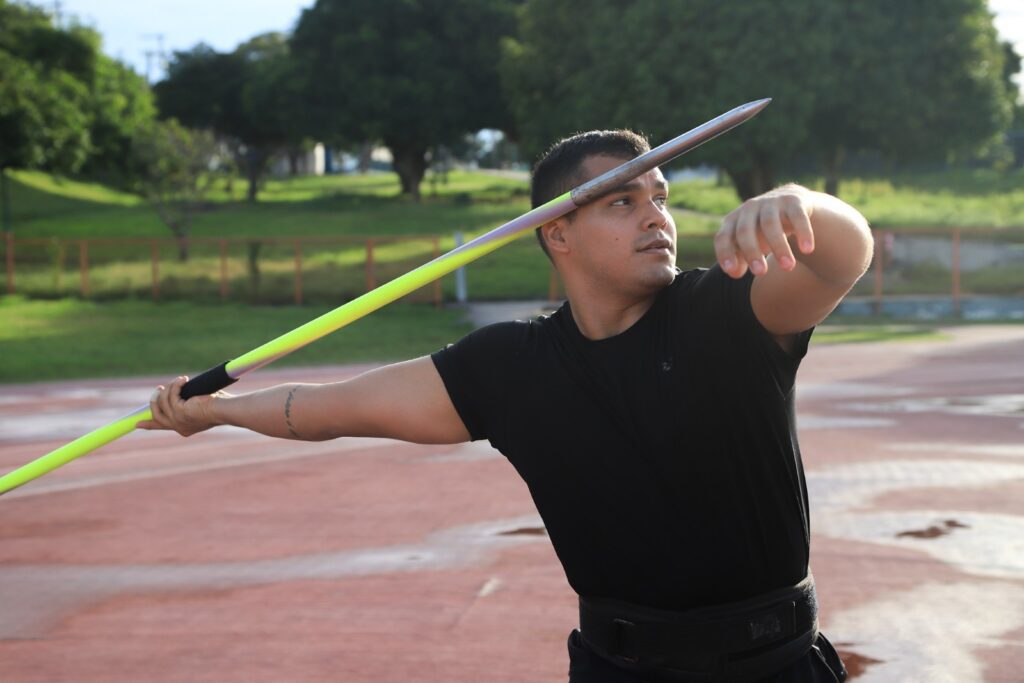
73 339
361 206
964 198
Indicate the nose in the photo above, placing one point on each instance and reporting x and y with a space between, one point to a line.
657 216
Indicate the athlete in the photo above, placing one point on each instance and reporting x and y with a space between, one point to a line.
651 416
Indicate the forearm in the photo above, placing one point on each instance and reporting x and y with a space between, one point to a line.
285 411
843 244
405 401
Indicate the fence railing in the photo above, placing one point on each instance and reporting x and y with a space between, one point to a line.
40 266
948 263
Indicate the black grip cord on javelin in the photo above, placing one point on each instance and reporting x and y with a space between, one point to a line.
209 382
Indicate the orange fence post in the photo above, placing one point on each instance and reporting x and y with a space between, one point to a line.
371 281
154 258
223 269
956 272
9 240
879 270
298 272
60 263
83 264
437 282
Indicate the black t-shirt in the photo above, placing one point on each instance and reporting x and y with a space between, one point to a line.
663 460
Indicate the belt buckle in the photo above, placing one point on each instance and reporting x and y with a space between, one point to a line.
618 629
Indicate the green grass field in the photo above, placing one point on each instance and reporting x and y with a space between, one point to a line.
50 336
356 207
73 339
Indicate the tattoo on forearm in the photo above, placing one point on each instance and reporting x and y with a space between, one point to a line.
288 413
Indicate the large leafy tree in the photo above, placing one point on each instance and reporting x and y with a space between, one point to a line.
870 75
120 106
43 95
245 96
916 80
411 74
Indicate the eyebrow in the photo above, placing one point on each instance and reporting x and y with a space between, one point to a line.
635 186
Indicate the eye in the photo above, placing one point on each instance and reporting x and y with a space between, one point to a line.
661 200
621 201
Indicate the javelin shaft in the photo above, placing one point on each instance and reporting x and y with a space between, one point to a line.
227 373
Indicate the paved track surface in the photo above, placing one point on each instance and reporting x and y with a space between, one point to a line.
232 557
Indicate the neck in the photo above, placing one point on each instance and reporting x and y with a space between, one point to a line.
599 316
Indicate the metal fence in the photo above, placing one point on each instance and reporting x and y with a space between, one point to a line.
944 268
264 270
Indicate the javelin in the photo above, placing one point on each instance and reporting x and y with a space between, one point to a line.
227 373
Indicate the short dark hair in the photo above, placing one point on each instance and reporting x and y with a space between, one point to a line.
560 168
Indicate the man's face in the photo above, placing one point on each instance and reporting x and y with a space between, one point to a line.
627 238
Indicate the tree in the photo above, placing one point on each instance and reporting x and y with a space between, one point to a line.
912 80
918 80
120 106
670 66
173 170
245 96
410 73
42 97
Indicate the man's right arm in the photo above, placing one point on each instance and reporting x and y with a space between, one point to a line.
406 401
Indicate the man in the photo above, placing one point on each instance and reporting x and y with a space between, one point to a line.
651 417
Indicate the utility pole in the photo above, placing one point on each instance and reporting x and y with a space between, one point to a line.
158 55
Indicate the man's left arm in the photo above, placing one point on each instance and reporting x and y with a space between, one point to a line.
806 249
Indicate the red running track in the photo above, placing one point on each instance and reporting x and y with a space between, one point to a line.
233 557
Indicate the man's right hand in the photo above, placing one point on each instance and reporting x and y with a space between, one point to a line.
170 411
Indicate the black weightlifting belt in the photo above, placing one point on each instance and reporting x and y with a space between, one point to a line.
739 641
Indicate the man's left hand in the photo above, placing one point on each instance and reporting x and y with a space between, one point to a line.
766 225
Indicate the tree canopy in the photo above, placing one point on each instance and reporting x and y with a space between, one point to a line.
64 105
246 96
910 80
411 74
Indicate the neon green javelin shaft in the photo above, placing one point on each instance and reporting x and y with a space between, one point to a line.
311 331
428 272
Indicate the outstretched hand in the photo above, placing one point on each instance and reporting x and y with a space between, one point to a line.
767 224
170 411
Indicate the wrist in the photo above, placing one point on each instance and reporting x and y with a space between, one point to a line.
214 410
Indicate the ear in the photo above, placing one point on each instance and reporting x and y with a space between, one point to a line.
555 237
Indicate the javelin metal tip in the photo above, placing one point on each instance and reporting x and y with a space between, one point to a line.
751 108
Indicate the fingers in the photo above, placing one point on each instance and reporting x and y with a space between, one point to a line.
762 226
166 405
802 230
159 421
775 236
725 248
748 242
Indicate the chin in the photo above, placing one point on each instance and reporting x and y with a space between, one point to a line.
662 277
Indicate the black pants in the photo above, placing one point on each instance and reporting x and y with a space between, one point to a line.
820 665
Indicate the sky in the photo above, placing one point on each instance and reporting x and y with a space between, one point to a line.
130 28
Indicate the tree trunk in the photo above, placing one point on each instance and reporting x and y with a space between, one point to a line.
410 164
254 187
182 241
5 201
833 160
751 182
253 162
365 158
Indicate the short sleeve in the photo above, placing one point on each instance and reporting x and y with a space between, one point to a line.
476 371
725 302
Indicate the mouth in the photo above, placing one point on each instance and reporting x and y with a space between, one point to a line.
658 246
